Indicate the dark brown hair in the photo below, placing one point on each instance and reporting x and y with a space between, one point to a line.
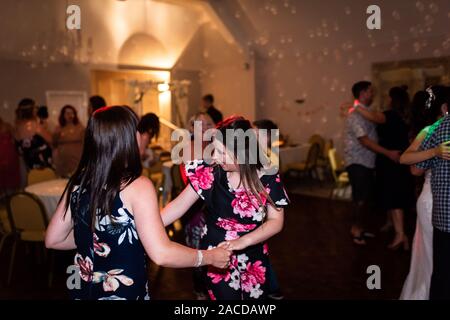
110 161
248 171
62 119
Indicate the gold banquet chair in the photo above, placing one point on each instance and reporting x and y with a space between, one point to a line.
5 227
28 220
41 175
310 165
340 176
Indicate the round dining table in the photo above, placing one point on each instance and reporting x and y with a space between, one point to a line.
49 192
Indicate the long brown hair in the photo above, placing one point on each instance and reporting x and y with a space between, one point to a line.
248 171
110 160
62 120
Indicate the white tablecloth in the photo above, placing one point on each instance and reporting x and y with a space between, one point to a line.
49 192
293 154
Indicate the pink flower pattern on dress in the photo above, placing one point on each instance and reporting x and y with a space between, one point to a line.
85 266
218 275
202 178
232 226
265 248
100 248
112 279
246 204
254 274
211 295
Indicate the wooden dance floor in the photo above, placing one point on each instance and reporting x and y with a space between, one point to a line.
314 259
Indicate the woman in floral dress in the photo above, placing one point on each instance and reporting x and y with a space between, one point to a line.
245 208
109 214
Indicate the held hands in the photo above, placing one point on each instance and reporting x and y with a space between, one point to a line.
443 150
235 245
218 257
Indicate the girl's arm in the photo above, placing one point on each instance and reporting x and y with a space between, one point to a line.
272 226
141 196
175 209
373 116
412 155
394 155
59 234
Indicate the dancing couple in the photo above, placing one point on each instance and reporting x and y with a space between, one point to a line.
109 213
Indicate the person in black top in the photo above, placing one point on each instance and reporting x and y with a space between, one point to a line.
208 106
394 179
95 103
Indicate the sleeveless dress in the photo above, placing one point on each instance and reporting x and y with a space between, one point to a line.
231 214
417 284
111 259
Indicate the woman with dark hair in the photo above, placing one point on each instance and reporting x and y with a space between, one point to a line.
42 114
109 214
245 209
32 139
149 128
68 141
393 179
95 103
430 115
419 116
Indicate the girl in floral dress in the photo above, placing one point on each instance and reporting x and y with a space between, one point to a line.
109 213
245 208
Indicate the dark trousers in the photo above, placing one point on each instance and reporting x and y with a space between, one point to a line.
361 180
440 280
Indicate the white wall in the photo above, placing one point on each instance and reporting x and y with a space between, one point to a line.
34 40
317 49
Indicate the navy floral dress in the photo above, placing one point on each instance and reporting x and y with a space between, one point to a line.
111 260
233 213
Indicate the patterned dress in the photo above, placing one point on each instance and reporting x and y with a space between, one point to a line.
111 260
36 152
232 214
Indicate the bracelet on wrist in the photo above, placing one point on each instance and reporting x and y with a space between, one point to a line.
199 258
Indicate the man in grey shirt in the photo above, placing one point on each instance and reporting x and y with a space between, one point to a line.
360 148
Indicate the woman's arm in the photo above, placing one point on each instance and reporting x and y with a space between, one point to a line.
373 116
178 206
142 197
272 226
59 234
412 155
394 155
